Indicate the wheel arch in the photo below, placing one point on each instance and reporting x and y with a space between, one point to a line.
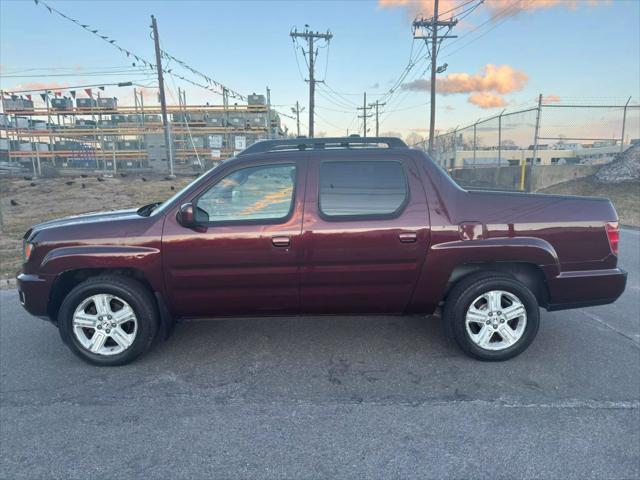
530 274
69 279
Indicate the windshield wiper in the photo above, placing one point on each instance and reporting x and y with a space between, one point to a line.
146 210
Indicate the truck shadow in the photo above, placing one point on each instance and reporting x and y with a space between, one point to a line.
353 359
342 360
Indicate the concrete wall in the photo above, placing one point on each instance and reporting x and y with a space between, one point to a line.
544 156
508 178
545 176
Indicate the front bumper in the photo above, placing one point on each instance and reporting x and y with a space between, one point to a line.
33 291
586 288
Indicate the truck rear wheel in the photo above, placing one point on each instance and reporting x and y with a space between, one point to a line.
492 316
108 320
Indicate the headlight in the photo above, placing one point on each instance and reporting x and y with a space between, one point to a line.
28 248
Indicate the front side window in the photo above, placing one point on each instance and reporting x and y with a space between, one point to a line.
354 189
263 192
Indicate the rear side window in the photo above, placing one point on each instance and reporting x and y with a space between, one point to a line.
362 189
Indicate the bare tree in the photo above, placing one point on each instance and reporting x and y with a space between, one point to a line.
412 138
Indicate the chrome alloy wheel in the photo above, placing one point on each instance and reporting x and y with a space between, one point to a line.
496 320
105 324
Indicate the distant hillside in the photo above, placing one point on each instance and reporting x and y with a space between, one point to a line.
624 195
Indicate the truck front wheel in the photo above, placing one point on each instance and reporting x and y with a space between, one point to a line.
491 316
108 320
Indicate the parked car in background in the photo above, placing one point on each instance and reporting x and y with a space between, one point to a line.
322 226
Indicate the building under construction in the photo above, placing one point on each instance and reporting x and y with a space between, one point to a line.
98 133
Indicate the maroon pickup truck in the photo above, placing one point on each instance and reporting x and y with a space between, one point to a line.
322 226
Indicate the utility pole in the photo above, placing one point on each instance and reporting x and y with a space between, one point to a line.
311 55
225 103
297 111
431 26
365 115
377 104
163 102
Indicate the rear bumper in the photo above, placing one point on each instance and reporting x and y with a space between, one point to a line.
33 292
586 288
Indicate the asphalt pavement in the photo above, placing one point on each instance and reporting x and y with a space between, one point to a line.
329 397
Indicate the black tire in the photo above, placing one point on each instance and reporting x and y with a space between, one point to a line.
129 290
466 291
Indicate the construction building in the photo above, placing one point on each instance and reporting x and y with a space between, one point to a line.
98 133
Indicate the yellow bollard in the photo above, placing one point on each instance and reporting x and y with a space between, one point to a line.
523 167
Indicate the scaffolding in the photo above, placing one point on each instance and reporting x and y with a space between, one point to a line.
116 137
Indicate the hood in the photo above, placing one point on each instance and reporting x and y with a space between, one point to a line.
84 219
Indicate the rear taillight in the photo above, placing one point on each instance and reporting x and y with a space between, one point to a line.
613 234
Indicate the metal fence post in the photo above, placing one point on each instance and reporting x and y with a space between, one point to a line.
523 169
170 139
455 149
33 145
535 142
15 124
474 143
500 139
113 156
624 122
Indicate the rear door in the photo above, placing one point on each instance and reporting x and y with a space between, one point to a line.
365 232
244 259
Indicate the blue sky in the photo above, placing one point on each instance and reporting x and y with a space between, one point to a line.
567 51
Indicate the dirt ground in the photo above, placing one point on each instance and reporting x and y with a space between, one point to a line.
625 196
44 199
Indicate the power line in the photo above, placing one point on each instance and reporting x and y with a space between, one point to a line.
459 6
413 62
295 54
208 79
404 97
333 109
335 100
326 63
57 75
74 87
465 13
505 13
130 54
331 124
79 70
341 96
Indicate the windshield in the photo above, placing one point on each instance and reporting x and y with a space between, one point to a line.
154 208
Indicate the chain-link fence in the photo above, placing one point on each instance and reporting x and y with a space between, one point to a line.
509 149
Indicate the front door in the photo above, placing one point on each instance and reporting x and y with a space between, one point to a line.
244 258
365 233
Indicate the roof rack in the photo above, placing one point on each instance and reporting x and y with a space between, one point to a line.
291 144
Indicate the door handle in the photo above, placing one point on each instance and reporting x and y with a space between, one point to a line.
408 237
281 241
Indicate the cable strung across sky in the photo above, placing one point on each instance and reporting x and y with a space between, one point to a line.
140 59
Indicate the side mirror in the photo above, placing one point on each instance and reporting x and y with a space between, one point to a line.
187 216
